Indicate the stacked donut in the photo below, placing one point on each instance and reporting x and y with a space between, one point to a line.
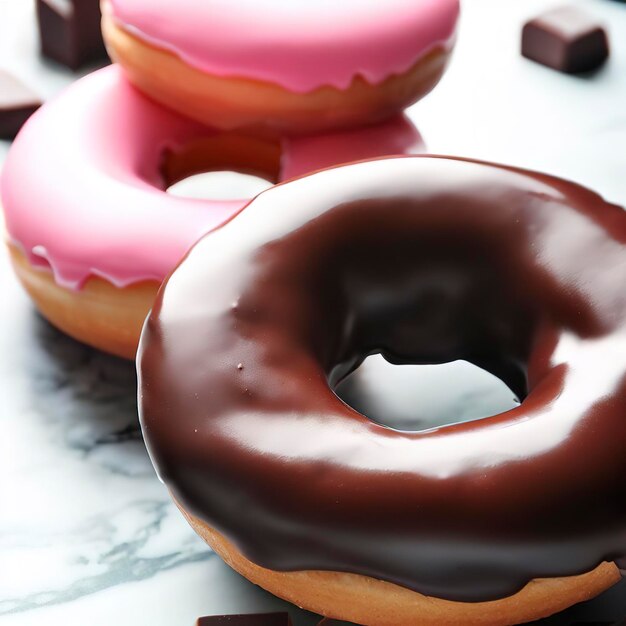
274 89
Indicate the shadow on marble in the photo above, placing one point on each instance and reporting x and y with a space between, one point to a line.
83 510
94 393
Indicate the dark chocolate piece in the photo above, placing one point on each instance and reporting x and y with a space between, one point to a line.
565 39
619 623
426 260
69 31
256 619
17 104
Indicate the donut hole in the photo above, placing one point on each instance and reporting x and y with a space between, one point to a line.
222 167
419 397
221 185
454 320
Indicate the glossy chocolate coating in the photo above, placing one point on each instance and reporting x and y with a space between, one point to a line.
565 39
69 31
425 260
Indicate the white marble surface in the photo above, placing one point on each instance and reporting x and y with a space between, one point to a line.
87 533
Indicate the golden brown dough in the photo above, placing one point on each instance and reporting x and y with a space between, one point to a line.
100 314
372 602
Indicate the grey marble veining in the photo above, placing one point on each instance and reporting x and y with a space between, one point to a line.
88 535
82 509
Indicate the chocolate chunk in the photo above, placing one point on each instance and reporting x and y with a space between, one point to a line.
69 31
17 104
258 619
565 39
618 623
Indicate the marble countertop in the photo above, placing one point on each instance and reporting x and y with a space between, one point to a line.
88 535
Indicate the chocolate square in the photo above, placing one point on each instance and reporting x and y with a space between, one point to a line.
565 39
258 619
17 104
69 31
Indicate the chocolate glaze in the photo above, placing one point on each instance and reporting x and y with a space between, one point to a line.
424 260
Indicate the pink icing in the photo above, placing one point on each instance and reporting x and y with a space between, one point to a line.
83 193
299 44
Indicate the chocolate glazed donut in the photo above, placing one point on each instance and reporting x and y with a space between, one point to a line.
424 260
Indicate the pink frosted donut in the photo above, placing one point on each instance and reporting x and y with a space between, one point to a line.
83 192
291 65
